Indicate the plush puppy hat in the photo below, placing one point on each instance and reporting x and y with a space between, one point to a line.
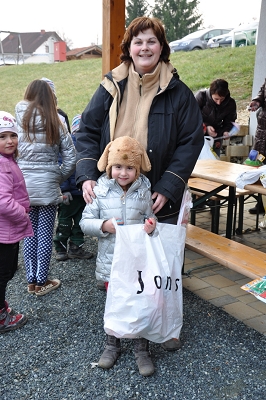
124 151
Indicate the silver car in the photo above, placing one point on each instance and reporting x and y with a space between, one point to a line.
244 35
197 40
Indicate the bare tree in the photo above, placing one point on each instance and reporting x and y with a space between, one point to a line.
68 41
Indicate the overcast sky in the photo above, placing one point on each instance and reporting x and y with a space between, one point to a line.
81 21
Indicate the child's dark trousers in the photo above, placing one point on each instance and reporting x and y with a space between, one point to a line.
68 227
8 267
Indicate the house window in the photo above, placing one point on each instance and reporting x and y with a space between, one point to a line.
46 49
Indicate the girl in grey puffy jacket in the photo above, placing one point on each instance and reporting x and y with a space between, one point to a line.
124 194
131 208
42 137
128 205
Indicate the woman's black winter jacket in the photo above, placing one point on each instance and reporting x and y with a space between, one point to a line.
175 138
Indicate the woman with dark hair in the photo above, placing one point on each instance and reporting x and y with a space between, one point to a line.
218 110
42 136
144 98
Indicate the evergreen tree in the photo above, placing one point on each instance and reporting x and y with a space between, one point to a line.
136 8
180 17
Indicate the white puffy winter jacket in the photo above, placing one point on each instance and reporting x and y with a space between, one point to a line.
38 162
131 207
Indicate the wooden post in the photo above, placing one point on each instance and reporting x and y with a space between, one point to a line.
113 32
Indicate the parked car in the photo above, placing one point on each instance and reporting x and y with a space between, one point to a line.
196 41
245 35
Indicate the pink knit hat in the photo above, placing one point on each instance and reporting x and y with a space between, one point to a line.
7 122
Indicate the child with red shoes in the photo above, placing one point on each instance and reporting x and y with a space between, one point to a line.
14 219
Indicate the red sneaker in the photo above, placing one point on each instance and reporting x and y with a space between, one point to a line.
9 309
11 322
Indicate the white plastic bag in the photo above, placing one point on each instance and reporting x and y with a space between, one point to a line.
207 152
144 296
186 205
252 176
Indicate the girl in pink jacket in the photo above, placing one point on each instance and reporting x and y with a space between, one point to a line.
14 219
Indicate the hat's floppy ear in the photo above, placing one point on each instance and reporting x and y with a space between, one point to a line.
145 162
103 161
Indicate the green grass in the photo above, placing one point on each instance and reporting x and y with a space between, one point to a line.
76 81
236 65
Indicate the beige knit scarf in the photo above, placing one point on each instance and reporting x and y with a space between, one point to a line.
133 113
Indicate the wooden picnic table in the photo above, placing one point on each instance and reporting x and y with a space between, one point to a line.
225 173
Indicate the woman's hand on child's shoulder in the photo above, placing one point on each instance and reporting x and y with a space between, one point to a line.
149 225
87 190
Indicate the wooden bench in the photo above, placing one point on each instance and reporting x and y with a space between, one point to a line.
231 254
202 187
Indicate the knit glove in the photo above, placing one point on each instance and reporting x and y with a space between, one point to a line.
67 197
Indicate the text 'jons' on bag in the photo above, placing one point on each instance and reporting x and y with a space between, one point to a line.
144 296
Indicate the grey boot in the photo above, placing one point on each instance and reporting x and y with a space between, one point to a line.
78 252
171 345
143 359
111 352
61 256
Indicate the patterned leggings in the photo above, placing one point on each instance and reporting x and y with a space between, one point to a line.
38 249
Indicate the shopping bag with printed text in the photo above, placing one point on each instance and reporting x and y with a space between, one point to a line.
144 297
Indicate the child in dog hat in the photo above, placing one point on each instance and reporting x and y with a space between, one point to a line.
123 193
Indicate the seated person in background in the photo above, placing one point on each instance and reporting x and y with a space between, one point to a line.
218 110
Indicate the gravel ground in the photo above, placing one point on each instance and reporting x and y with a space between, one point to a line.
51 356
